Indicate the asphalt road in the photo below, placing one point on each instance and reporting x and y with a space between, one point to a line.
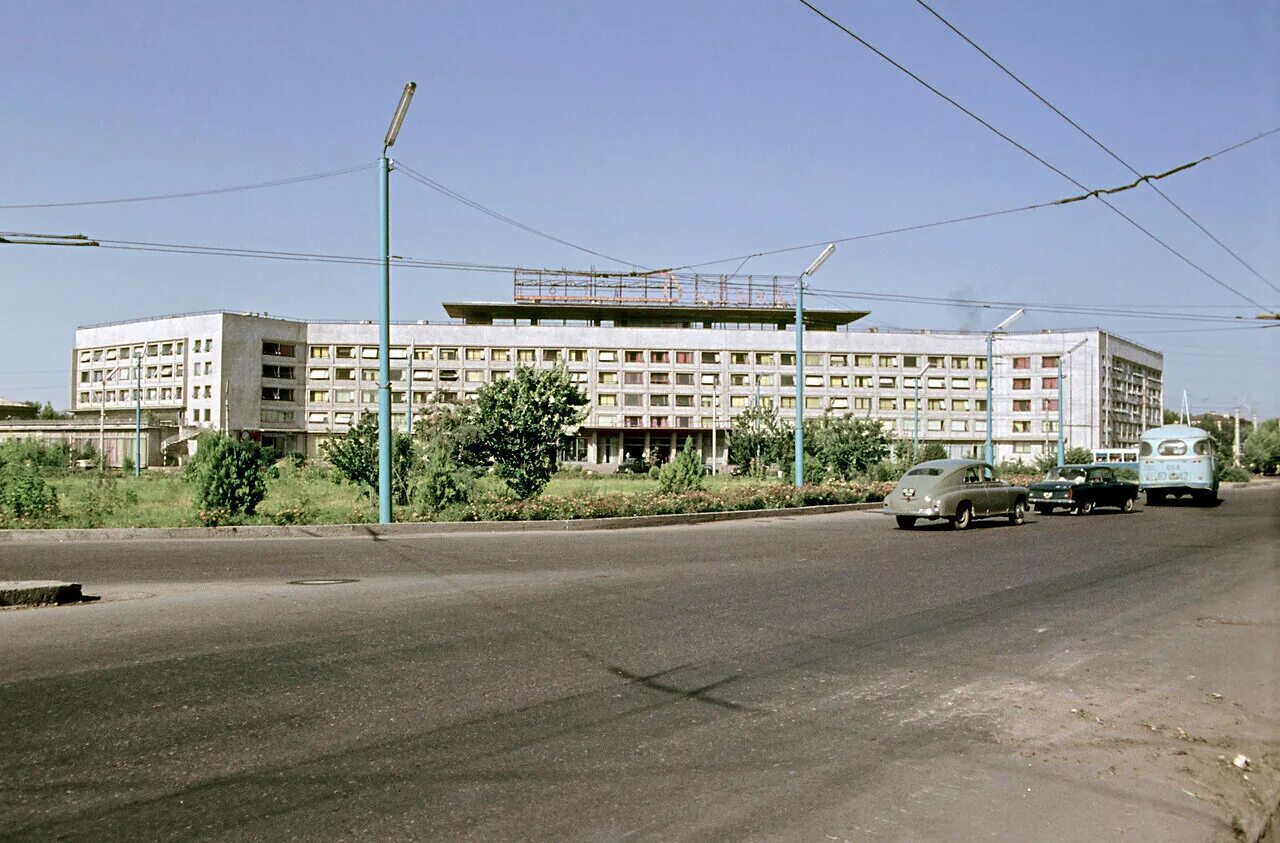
802 677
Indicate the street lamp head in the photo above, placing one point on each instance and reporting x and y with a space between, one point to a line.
1077 345
820 260
401 110
927 367
1015 316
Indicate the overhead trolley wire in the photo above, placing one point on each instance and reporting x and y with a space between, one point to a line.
1106 149
1028 152
191 193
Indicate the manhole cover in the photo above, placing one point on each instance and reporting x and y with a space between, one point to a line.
320 582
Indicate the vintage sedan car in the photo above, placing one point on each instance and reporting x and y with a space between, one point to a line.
1080 488
954 490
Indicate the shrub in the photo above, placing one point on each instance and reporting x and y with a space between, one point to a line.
23 492
845 445
229 475
440 483
35 453
682 474
1233 474
933 451
354 455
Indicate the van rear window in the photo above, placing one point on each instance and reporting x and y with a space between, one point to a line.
1172 448
930 472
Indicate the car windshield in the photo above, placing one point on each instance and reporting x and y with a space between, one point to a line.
1065 474
928 472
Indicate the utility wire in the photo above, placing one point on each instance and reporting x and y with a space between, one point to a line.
471 203
191 193
1107 150
968 218
1027 151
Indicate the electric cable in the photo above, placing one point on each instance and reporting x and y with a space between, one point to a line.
1028 152
1106 149
191 193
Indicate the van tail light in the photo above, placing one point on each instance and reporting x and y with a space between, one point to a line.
1069 491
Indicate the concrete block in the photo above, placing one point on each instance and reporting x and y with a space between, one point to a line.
38 592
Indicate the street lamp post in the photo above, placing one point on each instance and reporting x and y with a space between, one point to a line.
813 267
991 376
1061 446
384 334
915 454
137 413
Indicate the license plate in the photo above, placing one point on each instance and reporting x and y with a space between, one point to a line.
1048 494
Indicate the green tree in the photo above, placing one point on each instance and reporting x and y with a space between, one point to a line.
682 474
758 439
933 451
1077 456
1223 431
522 423
1172 416
229 474
845 446
354 455
1262 447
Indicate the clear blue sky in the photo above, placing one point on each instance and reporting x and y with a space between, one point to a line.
664 132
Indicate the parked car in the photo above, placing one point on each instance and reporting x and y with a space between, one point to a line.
1080 488
954 490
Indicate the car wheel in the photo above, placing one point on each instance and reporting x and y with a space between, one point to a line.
1127 506
1084 507
1019 513
906 522
964 517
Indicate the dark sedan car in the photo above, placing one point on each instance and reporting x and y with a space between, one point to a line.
1080 488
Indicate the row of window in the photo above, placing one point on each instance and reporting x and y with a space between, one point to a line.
154 349
165 393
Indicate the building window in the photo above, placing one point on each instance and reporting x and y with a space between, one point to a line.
344 396
710 380
738 358
1049 383
659 377
888 361
475 353
319 396
276 393
607 356
659 357
960 404
812 402
936 404
448 374
787 381
684 378
1050 425
812 380
474 376
684 400
862 381
839 381
787 402
345 352
552 355
368 396
659 400
369 375
862 361
606 377
887 404
839 403
1022 362
741 380
764 380
1022 405
888 382
684 358
1049 405
710 357
607 400
278 372
633 356
764 358
277 349
1049 362
959 426
959 383
959 362
787 358
1022 383
452 354
429 354
633 378
1022 426
812 359
316 352
934 424
633 399
523 355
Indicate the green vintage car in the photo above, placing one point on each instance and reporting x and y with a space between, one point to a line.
954 490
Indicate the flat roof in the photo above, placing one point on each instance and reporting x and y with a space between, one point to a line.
662 315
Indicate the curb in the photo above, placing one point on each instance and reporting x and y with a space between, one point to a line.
415 528
39 593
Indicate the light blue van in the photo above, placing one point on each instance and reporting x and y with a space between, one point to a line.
1176 460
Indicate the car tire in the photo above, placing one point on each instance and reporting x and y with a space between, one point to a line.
1084 508
1019 514
905 522
1127 506
964 517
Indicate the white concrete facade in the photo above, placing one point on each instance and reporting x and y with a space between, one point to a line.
293 383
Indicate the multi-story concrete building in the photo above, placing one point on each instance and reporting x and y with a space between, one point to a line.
654 375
